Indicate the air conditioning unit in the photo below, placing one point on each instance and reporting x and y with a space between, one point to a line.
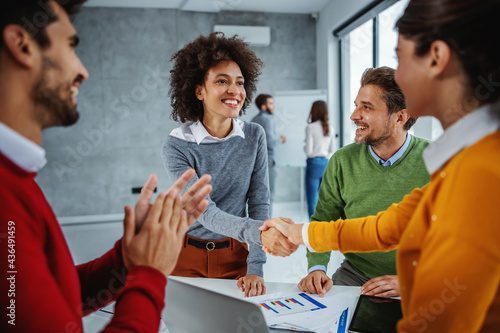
254 35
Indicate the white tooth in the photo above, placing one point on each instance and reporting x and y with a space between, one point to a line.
74 91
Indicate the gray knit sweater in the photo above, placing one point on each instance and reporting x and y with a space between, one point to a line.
239 178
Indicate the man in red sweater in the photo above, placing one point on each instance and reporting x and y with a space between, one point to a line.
41 289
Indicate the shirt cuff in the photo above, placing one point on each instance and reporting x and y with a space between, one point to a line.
305 236
256 269
317 268
255 235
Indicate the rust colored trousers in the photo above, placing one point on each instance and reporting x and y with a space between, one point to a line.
210 261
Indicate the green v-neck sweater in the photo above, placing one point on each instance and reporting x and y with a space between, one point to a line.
355 185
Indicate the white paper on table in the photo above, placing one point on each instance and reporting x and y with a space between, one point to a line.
322 319
341 324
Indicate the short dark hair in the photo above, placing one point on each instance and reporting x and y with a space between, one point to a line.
192 63
476 47
262 100
383 77
34 16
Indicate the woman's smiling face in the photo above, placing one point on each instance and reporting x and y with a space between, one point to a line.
223 92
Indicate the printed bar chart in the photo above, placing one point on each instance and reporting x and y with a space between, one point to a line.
290 305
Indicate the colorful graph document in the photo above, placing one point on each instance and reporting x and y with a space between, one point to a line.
290 305
297 311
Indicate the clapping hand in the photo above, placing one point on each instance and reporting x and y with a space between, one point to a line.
189 197
153 234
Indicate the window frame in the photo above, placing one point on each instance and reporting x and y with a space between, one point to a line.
370 12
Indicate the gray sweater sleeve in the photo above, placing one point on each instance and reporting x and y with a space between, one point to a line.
258 205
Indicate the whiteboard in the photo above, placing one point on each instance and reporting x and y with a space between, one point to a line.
291 113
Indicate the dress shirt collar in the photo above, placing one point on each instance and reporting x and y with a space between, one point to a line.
24 153
394 157
201 134
465 132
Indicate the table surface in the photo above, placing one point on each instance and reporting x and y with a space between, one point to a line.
98 320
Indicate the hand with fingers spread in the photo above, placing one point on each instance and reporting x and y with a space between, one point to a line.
316 282
252 285
382 286
189 197
157 243
280 236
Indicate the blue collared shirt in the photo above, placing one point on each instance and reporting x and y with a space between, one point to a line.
394 157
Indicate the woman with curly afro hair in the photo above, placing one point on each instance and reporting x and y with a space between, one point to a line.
212 82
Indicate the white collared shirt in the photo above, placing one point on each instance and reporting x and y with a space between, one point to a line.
196 132
24 153
465 132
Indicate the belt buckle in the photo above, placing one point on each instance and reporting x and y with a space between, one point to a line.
210 246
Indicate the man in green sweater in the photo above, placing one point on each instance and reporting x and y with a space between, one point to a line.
366 177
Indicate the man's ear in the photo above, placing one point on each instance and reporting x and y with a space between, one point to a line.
439 57
199 93
402 117
19 44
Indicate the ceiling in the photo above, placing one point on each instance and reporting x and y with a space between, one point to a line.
214 6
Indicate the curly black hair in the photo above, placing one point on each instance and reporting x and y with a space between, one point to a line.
192 63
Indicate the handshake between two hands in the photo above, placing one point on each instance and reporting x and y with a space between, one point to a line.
281 236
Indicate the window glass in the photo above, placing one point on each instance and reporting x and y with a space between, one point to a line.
388 36
358 51
357 55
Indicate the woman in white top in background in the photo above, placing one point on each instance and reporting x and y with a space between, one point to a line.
319 148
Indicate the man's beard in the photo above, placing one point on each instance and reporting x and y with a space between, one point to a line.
375 141
371 141
50 108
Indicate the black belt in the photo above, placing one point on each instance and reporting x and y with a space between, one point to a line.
208 245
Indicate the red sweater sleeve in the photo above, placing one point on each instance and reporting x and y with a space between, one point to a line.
139 293
42 289
139 304
46 295
101 279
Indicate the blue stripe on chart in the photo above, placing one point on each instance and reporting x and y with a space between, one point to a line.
283 305
270 308
343 322
307 297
